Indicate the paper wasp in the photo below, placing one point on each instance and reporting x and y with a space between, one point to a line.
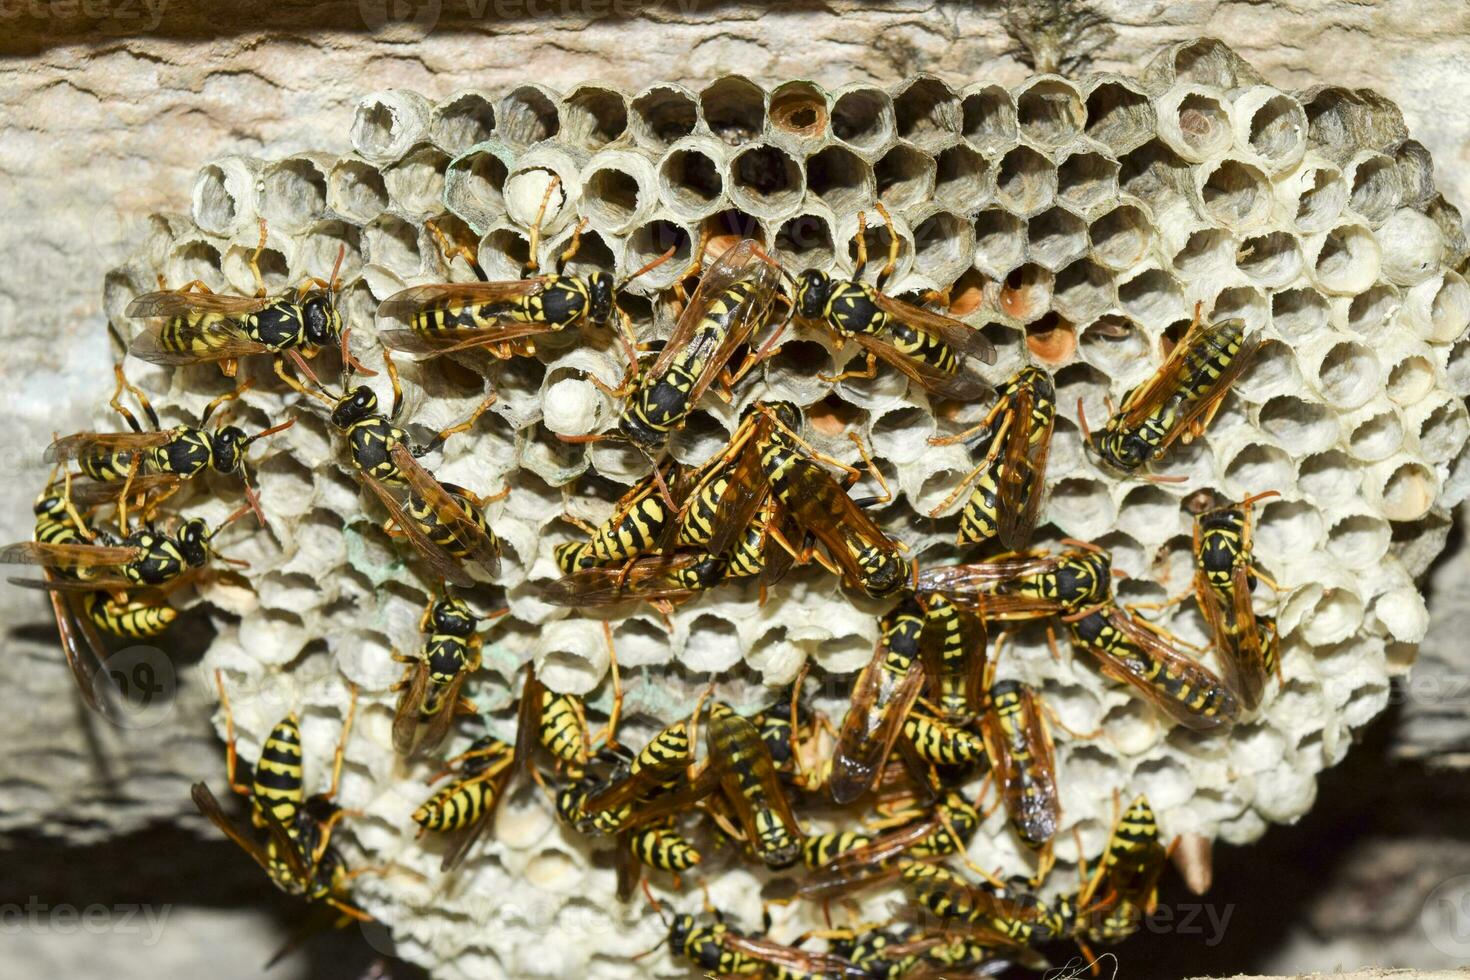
882 696
722 951
155 460
290 834
1022 758
731 302
431 687
636 526
203 326
1010 480
1025 586
1180 399
463 806
952 646
857 550
444 522
1224 580
1132 650
844 862
504 317
927 347
1113 901
991 915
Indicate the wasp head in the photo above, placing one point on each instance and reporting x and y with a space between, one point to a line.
355 406
812 289
322 321
680 929
599 297
194 542
226 448
452 615
884 571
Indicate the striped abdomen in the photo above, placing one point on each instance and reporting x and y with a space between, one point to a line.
457 805
945 745
277 781
136 620
659 845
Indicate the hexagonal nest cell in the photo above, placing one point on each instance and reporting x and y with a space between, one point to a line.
1083 221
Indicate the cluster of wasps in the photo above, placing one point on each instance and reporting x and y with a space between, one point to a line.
927 717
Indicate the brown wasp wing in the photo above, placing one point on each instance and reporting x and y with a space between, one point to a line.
866 865
216 340
800 962
863 743
980 586
179 302
528 719
973 642
1023 471
286 848
1238 640
1029 788
960 386
649 578
733 730
417 299
715 351
819 504
78 444
1136 673
440 721
69 622
91 492
410 704
443 563
1166 381
459 339
477 545
959 336
68 555
746 491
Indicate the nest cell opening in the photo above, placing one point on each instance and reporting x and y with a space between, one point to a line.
462 122
375 128
1307 427
1409 492
293 193
1348 260
863 118
1084 289
662 115
484 181
1410 379
1153 172
1375 183
1299 312
651 240
1026 181
215 208
1370 311
1203 252
1244 302
806 241
594 116
1051 339
1050 112
799 109
1000 241
1329 476
1348 374
1236 194
1118 115
1057 237
988 119
925 109
1026 291
960 176
840 178
1087 180
767 175
1114 343
1152 297
1377 437
416 182
943 245
905 177
734 109
527 115
1203 125
1270 260
1278 127
1324 195
611 196
1120 238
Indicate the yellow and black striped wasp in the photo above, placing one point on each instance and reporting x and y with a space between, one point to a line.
431 687
1025 586
1022 758
1225 578
637 526
882 697
951 906
1124 888
445 523
156 460
1010 480
952 646
928 347
730 304
1144 656
1180 398
462 807
199 325
845 861
503 318
290 833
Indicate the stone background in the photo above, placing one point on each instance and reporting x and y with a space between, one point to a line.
112 105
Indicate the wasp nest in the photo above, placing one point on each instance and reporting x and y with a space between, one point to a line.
1076 222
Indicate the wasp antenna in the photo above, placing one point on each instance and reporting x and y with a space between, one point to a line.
649 267
282 427
333 283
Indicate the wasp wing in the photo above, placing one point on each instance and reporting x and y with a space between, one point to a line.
442 295
180 302
68 556
468 535
959 336
79 444
1028 785
1161 664
960 386
410 705
1023 470
864 741
189 343
443 563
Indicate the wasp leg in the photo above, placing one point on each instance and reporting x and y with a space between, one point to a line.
869 371
121 409
337 757
860 239
209 409
255 261
231 757
609 734
872 468
443 435
451 249
892 262
533 263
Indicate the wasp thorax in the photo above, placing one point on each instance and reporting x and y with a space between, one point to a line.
812 289
354 407
452 615
322 321
599 297
225 448
194 541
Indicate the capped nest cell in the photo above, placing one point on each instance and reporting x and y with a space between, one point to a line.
1077 222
